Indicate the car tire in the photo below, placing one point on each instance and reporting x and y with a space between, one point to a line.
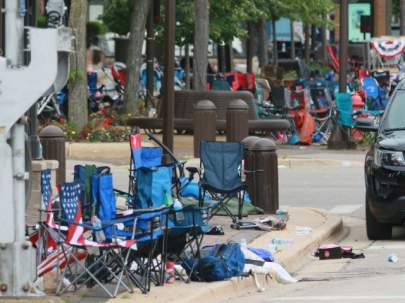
375 229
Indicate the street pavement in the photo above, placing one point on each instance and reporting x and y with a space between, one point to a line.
372 280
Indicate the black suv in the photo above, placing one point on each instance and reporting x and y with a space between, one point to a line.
385 171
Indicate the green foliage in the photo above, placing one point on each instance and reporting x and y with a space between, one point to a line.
95 28
117 16
41 21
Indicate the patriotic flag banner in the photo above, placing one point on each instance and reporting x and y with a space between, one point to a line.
388 47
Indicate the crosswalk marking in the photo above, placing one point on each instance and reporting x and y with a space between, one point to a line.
340 298
345 208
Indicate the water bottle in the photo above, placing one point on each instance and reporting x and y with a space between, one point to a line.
278 242
98 226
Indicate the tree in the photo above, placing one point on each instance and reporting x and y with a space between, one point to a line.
139 14
117 16
78 80
402 17
201 35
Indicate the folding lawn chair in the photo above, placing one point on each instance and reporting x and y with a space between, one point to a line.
187 227
150 233
221 164
75 271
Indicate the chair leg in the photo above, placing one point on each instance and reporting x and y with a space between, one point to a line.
241 197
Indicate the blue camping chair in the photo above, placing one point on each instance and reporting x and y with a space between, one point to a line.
150 232
220 175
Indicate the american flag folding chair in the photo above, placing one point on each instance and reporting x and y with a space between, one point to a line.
49 236
79 238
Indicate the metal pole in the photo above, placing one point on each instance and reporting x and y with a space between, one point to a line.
343 45
150 54
170 29
15 253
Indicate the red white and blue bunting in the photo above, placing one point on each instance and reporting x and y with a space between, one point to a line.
388 47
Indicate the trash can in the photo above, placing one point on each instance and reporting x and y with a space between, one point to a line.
53 148
204 123
237 117
265 163
249 165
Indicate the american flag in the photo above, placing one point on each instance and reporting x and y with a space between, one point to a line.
70 200
46 188
47 197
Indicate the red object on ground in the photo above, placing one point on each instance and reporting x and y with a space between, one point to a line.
170 272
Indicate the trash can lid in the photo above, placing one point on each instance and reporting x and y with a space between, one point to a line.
238 104
51 131
249 142
264 144
205 105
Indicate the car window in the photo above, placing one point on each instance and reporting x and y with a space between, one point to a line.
395 117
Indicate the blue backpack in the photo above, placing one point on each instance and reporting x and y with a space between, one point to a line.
223 261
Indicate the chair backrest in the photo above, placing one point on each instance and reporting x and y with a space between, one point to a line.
70 200
146 157
279 96
345 109
221 162
370 86
46 189
153 187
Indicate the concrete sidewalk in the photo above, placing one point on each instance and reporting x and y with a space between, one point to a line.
291 256
290 156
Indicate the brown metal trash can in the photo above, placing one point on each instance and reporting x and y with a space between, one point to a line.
53 148
204 124
265 176
249 165
237 117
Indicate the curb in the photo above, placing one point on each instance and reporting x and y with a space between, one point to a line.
291 260
333 226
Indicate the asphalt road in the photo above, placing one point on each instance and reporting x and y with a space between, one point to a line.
336 189
371 280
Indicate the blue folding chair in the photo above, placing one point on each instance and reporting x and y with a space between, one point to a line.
220 175
150 233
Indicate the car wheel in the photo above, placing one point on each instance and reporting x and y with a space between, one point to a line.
375 229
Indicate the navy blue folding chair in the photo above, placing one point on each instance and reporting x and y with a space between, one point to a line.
220 175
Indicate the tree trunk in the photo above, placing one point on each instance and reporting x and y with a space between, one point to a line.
221 57
402 16
249 47
292 39
313 38
134 60
275 49
307 50
324 45
263 44
201 33
228 57
187 66
77 111
150 56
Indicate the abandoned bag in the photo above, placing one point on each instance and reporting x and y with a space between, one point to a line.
222 261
